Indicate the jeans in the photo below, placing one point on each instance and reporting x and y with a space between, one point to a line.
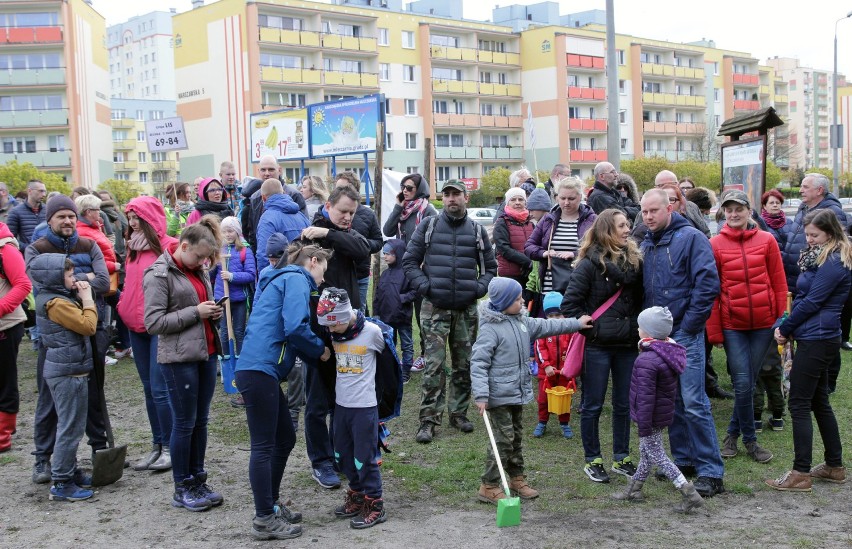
809 393
191 386
144 348
745 350
363 286
318 406
238 322
71 398
598 364
692 435
404 335
272 436
10 340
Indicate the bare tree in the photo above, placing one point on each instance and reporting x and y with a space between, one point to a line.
706 146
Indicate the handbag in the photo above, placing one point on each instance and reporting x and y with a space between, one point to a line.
573 364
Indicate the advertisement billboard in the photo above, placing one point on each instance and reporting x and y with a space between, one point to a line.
744 167
283 134
344 127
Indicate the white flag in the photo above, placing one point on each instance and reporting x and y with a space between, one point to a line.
531 125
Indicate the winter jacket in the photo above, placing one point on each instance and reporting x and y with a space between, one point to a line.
11 204
604 198
539 241
654 384
22 220
499 362
176 218
693 215
393 301
119 226
171 312
93 232
795 242
550 351
204 206
781 233
250 214
391 228
281 215
281 317
245 273
679 273
450 272
820 295
14 271
510 237
753 289
365 223
131 303
591 285
312 205
349 247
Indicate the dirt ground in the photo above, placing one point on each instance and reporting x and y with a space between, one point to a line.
135 512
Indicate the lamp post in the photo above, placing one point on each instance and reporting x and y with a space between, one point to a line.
836 134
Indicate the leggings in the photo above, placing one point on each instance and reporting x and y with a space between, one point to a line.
652 452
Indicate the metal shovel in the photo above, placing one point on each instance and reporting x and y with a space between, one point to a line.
508 508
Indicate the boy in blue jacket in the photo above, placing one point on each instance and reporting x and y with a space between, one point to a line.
394 302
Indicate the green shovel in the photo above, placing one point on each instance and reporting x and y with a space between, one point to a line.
508 508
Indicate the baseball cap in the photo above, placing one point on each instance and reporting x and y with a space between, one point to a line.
455 184
736 196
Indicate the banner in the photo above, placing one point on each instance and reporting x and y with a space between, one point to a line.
344 127
283 134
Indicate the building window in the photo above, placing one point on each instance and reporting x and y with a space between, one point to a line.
410 107
486 109
462 171
387 107
140 136
142 156
716 68
384 38
56 143
439 107
716 95
619 54
155 115
622 117
412 169
411 141
443 173
646 145
621 87
623 145
574 143
408 39
388 141
408 73
384 71
143 177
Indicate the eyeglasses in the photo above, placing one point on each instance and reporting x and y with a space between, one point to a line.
673 199
409 188
215 190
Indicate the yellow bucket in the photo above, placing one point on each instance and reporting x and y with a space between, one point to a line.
559 399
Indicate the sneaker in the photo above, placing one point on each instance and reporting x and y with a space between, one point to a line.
292 517
352 506
121 353
406 374
425 433
828 473
595 470
757 452
273 527
325 476
189 498
567 432
372 514
624 467
538 432
791 481
460 422
729 447
776 423
109 361
81 479
758 426
490 493
41 472
204 490
238 401
419 365
68 491
709 486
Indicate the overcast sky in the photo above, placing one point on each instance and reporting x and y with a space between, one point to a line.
763 29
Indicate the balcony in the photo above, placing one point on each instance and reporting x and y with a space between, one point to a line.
504 90
30 35
673 128
587 94
165 165
671 155
452 54
123 123
585 62
499 57
502 153
349 43
510 121
670 99
587 124
290 37
781 99
682 73
440 85
457 153
318 39
744 105
351 79
44 159
476 120
312 76
32 77
588 156
741 79
123 144
34 119
764 90
126 166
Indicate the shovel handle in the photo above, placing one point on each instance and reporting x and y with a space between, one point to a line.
496 453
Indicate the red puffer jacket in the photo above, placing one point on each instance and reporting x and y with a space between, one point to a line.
753 285
550 351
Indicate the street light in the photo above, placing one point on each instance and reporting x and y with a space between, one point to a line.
836 134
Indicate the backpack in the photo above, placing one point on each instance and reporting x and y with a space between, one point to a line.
478 229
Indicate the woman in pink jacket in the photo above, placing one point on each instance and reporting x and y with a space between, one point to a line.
146 240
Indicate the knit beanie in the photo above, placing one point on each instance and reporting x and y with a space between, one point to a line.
233 223
276 246
502 292
513 192
656 322
59 202
539 200
333 307
552 302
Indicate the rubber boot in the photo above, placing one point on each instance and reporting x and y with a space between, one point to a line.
7 429
691 499
633 492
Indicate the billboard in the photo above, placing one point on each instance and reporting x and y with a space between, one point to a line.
283 134
744 167
344 127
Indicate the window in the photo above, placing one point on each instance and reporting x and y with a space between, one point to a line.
439 107
446 74
622 117
118 114
646 145
621 87
140 114
501 78
573 112
443 173
716 68
142 156
408 73
651 87
486 109
442 40
349 30
154 57
387 107
384 39
623 145
659 116
412 169
442 140
327 64
485 77
143 177
679 145
411 141
350 66
456 140
384 71
504 110
159 157
593 144
574 143
646 116
619 54
56 143
388 141
276 22
408 39
679 117
716 94
410 107
155 115
140 136
281 61
462 171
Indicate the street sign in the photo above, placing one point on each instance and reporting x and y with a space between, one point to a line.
165 134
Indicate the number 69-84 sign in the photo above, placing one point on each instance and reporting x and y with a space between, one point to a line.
165 134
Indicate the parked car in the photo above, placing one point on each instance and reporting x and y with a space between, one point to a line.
483 216
792 203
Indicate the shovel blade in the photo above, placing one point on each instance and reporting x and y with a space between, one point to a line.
108 465
508 512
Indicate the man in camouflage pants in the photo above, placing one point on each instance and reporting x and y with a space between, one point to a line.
450 261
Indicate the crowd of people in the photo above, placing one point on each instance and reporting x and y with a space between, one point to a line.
273 287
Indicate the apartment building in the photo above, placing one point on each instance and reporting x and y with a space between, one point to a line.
141 62
132 161
54 89
844 100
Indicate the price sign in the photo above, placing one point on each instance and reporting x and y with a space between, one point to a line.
283 134
165 134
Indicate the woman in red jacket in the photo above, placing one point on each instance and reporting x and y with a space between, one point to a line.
89 225
752 297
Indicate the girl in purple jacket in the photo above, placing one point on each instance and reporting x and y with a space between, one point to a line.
653 389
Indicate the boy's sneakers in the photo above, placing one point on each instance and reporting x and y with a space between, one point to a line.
187 496
325 476
41 472
776 423
595 470
624 467
81 479
352 505
418 365
372 514
121 353
68 491
538 432
273 527
566 430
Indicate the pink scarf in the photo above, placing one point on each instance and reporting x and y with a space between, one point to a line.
410 206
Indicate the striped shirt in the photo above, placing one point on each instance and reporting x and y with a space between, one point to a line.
565 239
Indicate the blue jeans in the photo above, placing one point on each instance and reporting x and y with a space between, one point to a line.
154 386
745 350
191 386
71 399
598 364
318 406
692 435
404 335
238 322
363 286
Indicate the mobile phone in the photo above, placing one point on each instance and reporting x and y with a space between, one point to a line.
222 301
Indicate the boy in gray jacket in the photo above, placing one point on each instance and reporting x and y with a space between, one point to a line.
501 380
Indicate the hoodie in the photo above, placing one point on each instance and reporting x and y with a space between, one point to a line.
394 298
204 206
395 227
281 215
654 382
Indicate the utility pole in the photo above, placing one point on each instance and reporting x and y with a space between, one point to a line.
613 137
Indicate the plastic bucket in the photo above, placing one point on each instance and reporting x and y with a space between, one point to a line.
559 399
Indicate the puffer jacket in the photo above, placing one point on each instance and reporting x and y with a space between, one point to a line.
281 215
780 234
693 215
253 207
392 228
796 237
22 220
510 237
820 295
603 198
131 303
448 271
245 273
679 273
171 312
393 301
592 284
87 229
349 247
654 382
753 289
365 223
15 275
539 241
499 369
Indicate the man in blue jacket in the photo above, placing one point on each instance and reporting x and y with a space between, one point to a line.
22 220
280 215
680 273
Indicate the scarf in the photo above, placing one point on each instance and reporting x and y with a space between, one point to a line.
184 206
353 330
774 221
138 242
808 257
408 207
521 216
222 209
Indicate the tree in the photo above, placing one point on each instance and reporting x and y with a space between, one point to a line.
492 186
17 175
705 148
644 170
123 191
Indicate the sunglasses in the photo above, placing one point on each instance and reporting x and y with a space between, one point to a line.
409 188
